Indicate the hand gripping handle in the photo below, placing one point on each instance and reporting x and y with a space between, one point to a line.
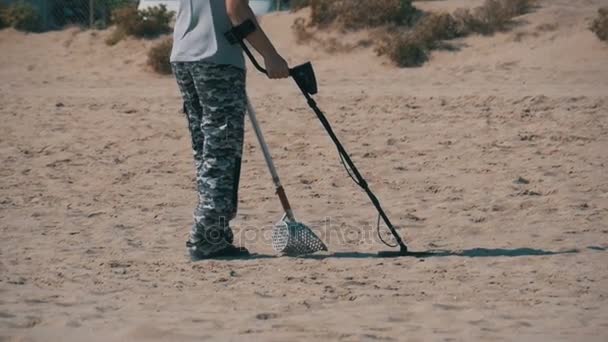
303 75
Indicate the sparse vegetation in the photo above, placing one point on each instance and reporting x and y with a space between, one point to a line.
159 55
491 17
300 29
599 26
149 23
406 35
358 14
403 49
2 9
547 27
116 36
22 16
408 48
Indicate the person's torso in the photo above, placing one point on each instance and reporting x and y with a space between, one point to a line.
199 34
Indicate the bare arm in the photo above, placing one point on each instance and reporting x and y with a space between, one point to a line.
238 12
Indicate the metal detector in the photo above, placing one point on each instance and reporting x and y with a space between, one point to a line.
304 76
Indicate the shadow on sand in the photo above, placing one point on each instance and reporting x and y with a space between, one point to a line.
469 253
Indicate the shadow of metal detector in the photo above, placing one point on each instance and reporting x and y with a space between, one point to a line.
304 76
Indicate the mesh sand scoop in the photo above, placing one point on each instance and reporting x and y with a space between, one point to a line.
288 236
294 238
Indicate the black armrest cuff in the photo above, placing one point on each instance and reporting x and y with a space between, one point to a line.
240 32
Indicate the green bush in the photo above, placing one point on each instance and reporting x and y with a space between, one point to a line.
599 26
149 23
22 16
159 55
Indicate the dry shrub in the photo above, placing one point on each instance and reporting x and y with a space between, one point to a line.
492 16
302 31
403 48
405 35
116 36
466 21
358 14
159 55
305 34
22 16
409 48
435 27
599 26
149 23
547 27
518 7
323 12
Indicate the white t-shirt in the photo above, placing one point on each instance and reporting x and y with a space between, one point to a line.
199 34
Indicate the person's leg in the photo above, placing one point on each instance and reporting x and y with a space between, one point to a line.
192 110
221 90
194 113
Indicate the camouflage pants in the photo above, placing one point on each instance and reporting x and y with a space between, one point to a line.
215 103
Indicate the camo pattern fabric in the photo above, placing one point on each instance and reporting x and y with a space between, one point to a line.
215 104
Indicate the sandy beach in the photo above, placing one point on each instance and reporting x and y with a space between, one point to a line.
493 157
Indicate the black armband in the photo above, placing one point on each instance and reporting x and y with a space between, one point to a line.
240 32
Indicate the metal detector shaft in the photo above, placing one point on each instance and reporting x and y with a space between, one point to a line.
273 171
360 180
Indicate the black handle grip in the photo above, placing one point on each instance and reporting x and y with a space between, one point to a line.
304 74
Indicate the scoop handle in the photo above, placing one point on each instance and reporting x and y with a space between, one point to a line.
268 158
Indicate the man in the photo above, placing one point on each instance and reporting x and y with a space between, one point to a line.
210 73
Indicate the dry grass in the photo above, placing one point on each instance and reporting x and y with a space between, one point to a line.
301 30
547 27
403 49
492 16
149 23
358 14
305 34
406 35
116 36
435 27
159 55
409 48
599 26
